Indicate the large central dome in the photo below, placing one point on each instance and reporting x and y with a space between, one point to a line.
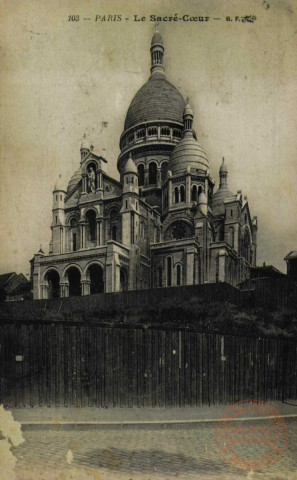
158 99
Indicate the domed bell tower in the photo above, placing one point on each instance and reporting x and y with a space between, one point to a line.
57 244
153 126
130 204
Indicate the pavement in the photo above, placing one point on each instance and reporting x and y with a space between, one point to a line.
105 416
139 444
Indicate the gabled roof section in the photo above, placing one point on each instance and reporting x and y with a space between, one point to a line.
112 180
91 155
292 255
6 278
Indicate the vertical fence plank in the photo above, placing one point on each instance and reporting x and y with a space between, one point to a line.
74 365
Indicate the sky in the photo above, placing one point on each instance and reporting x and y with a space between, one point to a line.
61 78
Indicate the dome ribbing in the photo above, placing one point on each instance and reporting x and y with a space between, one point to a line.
157 100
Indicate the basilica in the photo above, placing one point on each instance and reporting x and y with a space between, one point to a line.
163 224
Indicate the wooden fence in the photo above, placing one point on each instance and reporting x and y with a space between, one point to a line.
64 364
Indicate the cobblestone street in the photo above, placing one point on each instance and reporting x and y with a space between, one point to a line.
138 452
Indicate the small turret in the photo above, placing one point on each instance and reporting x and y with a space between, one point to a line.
202 203
157 53
58 222
130 177
188 117
223 174
85 148
59 193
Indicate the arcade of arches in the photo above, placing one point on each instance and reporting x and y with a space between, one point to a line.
74 285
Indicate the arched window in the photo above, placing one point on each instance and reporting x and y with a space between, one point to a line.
115 225
246 245
169 271
91 219
152 173
182 193
53 279
95 276
178 275
177 133
164 171
74 278
74 234
176 194
140 169
152 131
165 131
194 195
123 280
140 133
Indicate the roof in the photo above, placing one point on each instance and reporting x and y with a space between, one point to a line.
223 167
266 271
59 185
188 154
188 110
291 256
157 39
130 166
157 100
76 177
6 278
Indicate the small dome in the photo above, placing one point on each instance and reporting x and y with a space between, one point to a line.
223 167
75 179
188 110
59 185
130 166
84 145
218 199
188 155
157 39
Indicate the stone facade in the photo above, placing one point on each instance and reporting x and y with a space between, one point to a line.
162 224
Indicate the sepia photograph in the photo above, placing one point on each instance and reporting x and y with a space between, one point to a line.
148 265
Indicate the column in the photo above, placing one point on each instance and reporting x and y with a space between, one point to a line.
188 189
62 289
44 291
222 265
159 176
85 287
169 193
66 289
236 226
83 235
98 233
206 189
